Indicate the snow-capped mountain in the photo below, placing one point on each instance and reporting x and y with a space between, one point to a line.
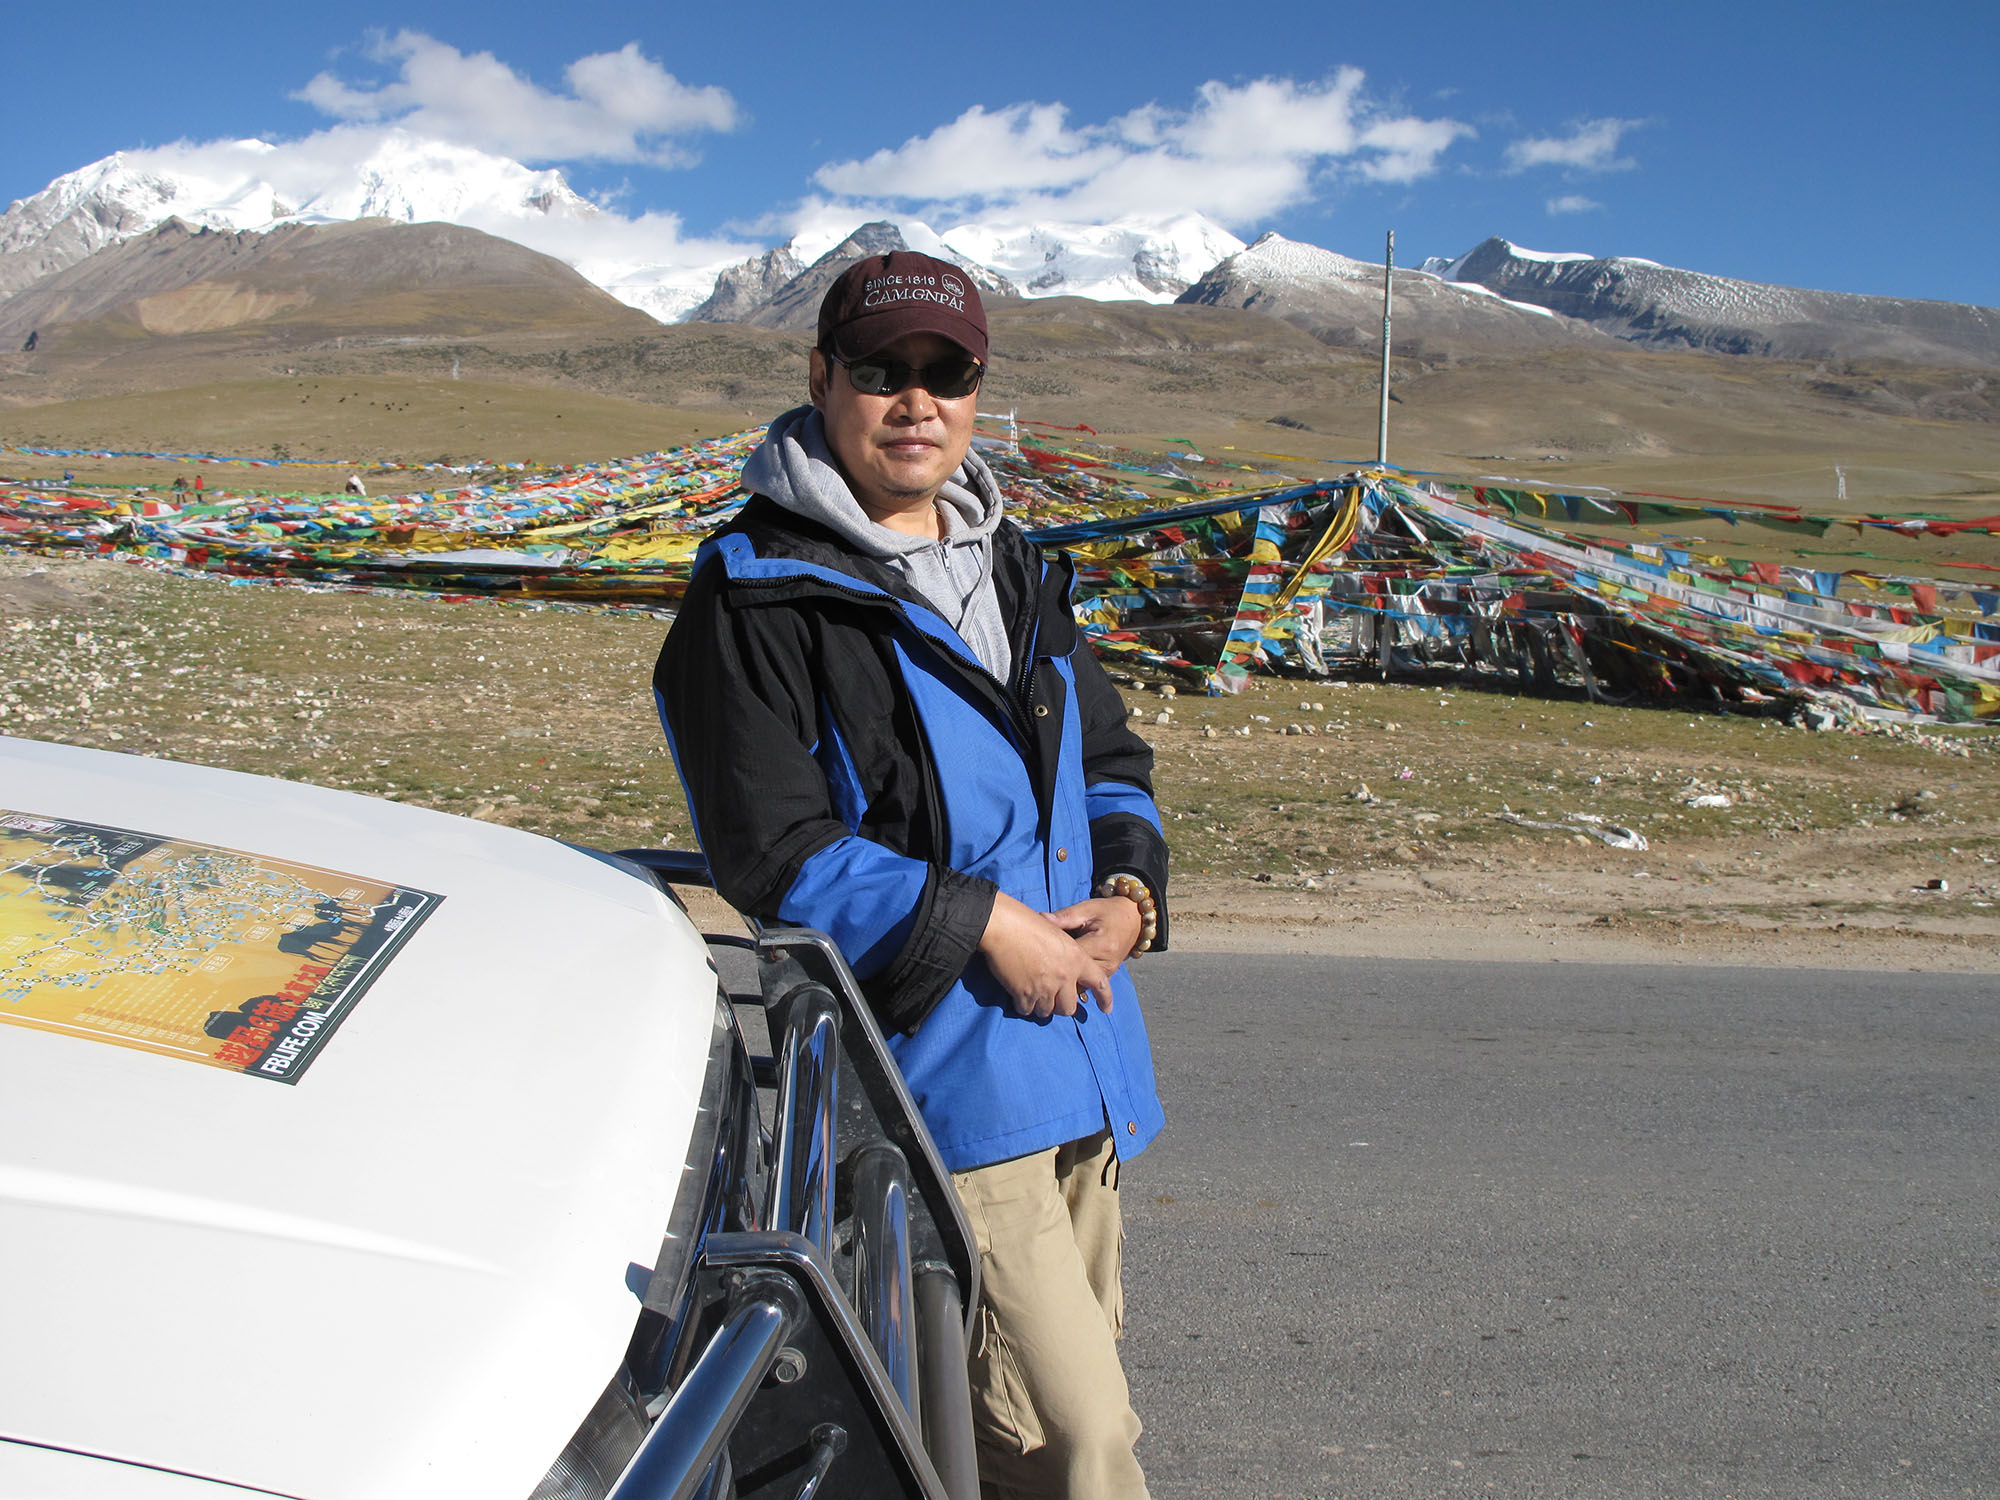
1133 259
1138 258
1498 296
1339 301
250 185
1644 302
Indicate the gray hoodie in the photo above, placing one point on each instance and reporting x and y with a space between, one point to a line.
794 467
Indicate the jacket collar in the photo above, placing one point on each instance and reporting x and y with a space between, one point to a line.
772 555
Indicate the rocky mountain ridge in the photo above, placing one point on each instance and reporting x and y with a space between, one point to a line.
1644 302
1498 298
1338 301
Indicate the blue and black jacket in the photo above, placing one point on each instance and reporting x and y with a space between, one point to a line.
852 767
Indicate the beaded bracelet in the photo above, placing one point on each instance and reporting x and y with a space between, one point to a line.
1133 889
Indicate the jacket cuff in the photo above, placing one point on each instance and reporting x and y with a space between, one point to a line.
1126 844
951 918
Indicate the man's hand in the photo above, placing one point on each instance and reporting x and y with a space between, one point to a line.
1105 927
1041 966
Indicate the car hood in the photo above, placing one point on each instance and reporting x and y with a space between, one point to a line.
408 1265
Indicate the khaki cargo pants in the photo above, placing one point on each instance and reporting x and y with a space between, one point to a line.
1049 1400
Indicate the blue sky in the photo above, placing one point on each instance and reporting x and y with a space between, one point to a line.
1834 145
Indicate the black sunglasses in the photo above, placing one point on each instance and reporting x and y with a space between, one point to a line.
948 379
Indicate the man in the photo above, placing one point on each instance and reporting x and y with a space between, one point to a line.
889 728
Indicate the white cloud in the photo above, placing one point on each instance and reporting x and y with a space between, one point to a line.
1572 203
1592 146
1239 153
620 106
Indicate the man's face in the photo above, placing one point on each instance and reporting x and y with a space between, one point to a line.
897 450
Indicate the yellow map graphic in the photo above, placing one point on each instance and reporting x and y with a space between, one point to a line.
186 949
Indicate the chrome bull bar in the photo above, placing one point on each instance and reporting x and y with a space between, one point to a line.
821 1349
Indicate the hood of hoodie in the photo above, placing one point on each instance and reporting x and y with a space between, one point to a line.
794 467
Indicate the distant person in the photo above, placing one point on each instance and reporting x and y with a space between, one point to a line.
180 487
34 338
197 485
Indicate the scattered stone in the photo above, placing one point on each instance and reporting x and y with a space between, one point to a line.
1361 794
1163 717
1166 690
1208 731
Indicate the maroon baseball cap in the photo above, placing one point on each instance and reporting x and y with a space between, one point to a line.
878 300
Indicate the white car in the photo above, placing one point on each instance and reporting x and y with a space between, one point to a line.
351 1150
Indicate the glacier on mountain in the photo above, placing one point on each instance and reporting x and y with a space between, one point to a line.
1137 258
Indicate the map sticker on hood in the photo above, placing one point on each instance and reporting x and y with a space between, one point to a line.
188 950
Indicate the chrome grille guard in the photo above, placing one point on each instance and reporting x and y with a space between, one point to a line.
816 1293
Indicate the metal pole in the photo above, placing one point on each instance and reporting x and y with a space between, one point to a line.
947 1399
882 1278
1388 275
693 1430
802 1187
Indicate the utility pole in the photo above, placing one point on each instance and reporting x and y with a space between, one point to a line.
1388 275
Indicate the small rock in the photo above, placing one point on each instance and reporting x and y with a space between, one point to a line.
1163 717
1166 690
1208 731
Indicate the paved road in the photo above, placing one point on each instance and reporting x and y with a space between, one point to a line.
1441 1229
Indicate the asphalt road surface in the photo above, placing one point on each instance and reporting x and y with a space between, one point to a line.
1441 1229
